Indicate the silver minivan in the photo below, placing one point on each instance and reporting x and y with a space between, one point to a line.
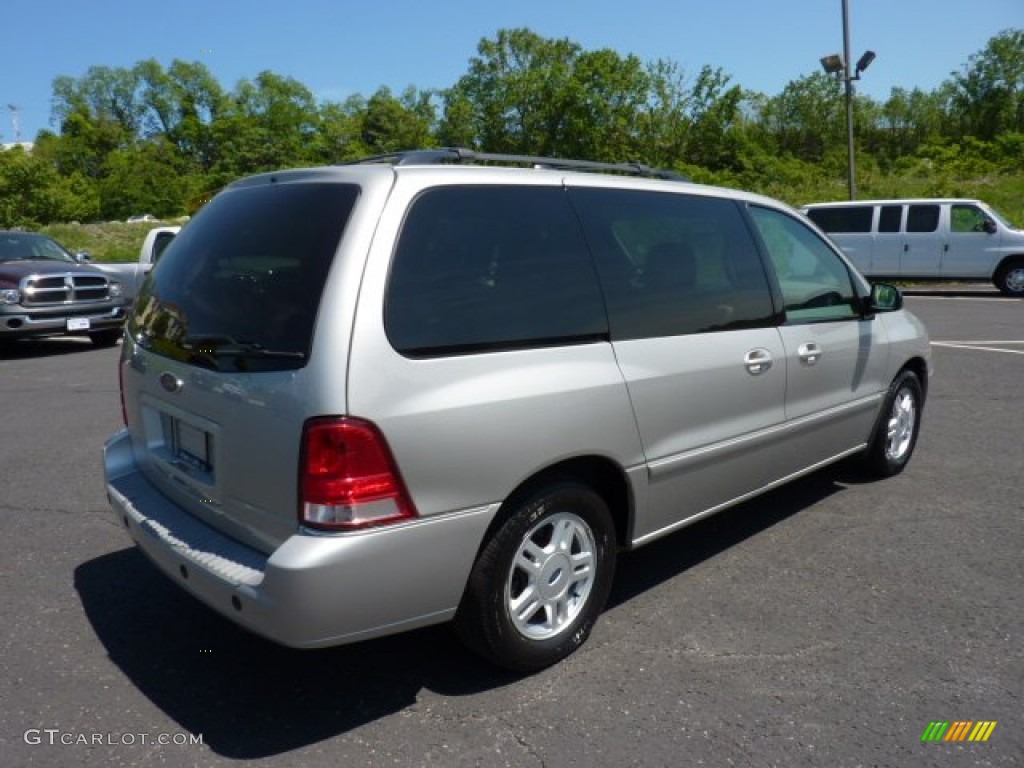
451 386
948 239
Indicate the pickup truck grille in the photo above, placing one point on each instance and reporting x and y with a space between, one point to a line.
41 290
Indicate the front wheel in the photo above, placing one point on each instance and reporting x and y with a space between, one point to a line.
1010 278
899 423
541 581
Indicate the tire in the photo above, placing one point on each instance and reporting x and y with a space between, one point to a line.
1009 278
898 425
105 338
553 559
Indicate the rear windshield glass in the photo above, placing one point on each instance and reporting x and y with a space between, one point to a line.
238 288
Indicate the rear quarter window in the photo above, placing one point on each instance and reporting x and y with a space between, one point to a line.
480 269
848 219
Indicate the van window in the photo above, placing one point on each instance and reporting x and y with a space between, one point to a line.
816 285
852 218
481 268
967 218
673 264
889 218
923 218
240 288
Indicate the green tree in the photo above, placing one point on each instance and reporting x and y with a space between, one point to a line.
807 117
908 120
392 123
272 123
714 111
603 96
182 103
510 99
103 94
33 193
525 94
147 178
988 95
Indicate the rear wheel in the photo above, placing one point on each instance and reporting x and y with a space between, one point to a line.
541 581
105 338
1010 278
900 422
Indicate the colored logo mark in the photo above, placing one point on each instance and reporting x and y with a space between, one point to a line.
958 730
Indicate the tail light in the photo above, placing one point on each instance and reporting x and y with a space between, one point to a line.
348 478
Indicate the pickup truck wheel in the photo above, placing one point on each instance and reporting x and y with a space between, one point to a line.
898 425
105 338
1010 278
541 581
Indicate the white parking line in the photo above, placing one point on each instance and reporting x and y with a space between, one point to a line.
980 345
961 298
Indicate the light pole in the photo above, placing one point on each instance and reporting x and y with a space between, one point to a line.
839 65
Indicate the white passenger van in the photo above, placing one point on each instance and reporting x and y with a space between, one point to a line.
945 239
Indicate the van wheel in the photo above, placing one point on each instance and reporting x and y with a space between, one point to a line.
541 581
1010 278
897 428
105 338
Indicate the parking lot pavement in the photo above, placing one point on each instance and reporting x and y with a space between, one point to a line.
826 623
953 290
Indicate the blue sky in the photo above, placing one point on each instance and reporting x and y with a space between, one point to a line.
339 47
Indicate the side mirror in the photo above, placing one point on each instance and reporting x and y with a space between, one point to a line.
989 226
883 298
83 256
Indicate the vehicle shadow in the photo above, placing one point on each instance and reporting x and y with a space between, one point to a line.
250 698
21 349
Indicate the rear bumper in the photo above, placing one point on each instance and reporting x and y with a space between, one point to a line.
18 323
314 590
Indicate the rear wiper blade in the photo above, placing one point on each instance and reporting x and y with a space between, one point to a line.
218 346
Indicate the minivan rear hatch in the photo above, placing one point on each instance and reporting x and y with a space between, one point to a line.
215 372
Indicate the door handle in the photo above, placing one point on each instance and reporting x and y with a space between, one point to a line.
906 247
757 361
809 353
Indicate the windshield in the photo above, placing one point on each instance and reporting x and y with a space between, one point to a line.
239 291
16 246
1000 217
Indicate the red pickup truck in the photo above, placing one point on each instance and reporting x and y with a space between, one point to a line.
47 291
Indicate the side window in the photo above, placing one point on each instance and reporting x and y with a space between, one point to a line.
889 218
815 283
847 218
967 218
673 264
923 218
481 268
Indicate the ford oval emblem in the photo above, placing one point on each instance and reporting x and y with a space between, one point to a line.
170 382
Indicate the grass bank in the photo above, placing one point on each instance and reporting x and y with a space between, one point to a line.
104 241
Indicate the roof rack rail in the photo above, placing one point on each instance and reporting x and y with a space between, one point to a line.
458 155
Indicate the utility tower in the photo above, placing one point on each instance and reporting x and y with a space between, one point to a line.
16 120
